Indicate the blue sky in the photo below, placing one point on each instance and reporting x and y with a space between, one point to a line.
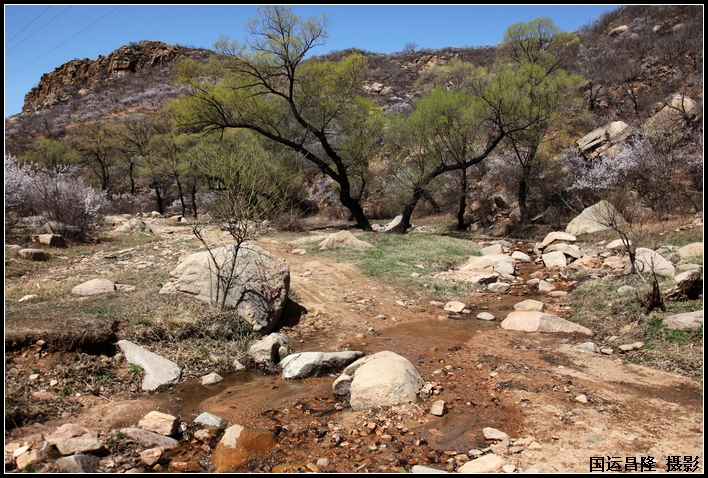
40 38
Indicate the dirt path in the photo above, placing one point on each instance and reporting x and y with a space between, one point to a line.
628 410
573 408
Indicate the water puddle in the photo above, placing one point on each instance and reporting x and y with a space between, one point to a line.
440 351
243 395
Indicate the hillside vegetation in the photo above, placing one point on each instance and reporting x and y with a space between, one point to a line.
114 122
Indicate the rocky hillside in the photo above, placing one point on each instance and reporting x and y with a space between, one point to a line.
633 58
131 79
79 77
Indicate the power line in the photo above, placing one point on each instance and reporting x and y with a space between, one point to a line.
28 64
30 23
50 21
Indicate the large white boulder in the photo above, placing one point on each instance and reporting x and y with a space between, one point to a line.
597 217
535 321
384 378
258 282
647 260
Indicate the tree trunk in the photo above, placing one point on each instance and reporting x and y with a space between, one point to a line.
132 179
105 176
523 190
408 209
461 226
193 195
158 196
432 202
356 210
181 197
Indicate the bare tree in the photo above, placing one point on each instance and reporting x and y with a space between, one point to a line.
410 47
253 192
628 74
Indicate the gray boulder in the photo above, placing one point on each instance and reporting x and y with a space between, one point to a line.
71 439
269 350
598 140
78 463
554 259
384 378
209 420
258 286
534 321
530 305
671 117
33 254
647 260
135 224
554 236
93 287
500 263
51 240
570 250
595 218
694 249
158 370
687 320
149 439
308 364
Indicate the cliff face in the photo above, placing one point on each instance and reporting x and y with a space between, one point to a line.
77 76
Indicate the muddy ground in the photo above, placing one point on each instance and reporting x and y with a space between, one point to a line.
529 385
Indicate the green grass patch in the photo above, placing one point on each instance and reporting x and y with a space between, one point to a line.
107 311
135 369
397 256
658 331
599 305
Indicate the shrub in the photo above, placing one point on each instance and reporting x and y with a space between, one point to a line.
59 196
17 187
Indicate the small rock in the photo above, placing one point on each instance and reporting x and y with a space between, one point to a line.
438 408
534 445
78 463
151 456
493 434
634 346
485 316
208 420
158 422
454 306
587 347
484 464
211 378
